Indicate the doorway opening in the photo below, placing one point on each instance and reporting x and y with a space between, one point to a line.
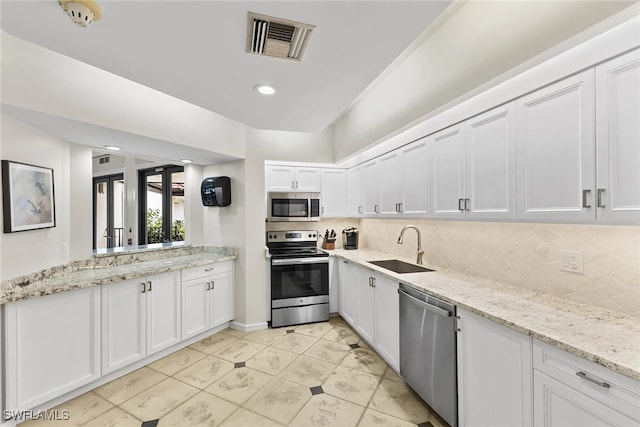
108 211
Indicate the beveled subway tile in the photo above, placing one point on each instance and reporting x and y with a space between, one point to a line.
204 372
351 384
177 361
375 418
244 418
114 417
239 351
271 360
202 410
124 388
295 343
307 371
213 343
279 400
397 399
324 410
239 385
159 400
366 360
329 351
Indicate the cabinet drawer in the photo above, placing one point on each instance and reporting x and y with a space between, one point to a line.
206 270
622 393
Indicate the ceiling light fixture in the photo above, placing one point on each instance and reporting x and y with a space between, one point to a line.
82 12
186 161
265 89
112 147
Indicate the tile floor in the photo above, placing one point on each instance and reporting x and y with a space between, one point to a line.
319 374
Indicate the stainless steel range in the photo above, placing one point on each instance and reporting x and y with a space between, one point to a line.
299 278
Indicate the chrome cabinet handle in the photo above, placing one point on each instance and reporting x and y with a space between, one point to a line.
585 194
144 287
296 184
375 208
584 376
149 286
397 208
599 198
360 209
208 269
370 280
466 204
322 210
460 204
293 184
346 261
208 286
373 282
213 284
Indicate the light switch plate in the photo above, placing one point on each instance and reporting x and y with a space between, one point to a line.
572 261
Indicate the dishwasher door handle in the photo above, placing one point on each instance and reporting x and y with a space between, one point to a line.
432 308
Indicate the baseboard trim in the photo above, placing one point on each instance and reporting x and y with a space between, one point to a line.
248 327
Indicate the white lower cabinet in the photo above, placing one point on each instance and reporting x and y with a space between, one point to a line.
139 318
207 297
52 346
369 302
333 285
494 373
571 391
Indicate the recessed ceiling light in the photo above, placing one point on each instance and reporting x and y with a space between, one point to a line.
265 89
186 161
112 147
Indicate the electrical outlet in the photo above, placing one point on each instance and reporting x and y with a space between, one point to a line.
571 261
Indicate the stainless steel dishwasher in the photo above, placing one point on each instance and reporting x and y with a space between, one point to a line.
428 350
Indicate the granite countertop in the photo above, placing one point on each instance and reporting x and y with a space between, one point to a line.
110 268
601 336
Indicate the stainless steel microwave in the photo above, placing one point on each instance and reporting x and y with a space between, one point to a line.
293 207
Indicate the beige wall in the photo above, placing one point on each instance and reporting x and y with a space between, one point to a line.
526 255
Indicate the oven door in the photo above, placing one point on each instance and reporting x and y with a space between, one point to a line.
299 281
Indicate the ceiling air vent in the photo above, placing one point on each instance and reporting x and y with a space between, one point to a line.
277 37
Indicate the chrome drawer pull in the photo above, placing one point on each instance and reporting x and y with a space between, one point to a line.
585 193
599 202
208 269
584 376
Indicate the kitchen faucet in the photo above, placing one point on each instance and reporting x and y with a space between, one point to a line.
420 252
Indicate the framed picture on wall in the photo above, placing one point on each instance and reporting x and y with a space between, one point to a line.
28 201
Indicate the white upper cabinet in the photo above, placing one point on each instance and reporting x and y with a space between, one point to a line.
354 192
490 165
414 176
370 188
556 151
290 178
446 161
334 193
390 183
618 139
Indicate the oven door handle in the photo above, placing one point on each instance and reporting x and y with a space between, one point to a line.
299 261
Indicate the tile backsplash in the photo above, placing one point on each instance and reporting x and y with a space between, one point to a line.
525 255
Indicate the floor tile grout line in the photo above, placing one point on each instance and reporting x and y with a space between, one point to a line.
131 397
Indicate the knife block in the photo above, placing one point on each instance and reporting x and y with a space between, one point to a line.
328 245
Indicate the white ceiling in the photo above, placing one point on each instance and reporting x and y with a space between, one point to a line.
195 51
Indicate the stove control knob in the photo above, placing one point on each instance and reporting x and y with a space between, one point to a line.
314 235
309 235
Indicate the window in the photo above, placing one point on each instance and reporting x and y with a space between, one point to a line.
161 205
108 211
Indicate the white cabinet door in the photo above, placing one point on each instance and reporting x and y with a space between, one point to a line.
387 320
222 300
348 276
366 304
414 175
618 139
52 346
354 192
558 405
334 193
195 307
163 311
370 188
556 151
446 161
494 374
390 183
490 165
123 324
280 178
307 179
334 287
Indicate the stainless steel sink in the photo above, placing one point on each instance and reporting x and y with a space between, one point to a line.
398 266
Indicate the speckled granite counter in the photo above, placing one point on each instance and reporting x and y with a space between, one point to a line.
605 337
105 269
